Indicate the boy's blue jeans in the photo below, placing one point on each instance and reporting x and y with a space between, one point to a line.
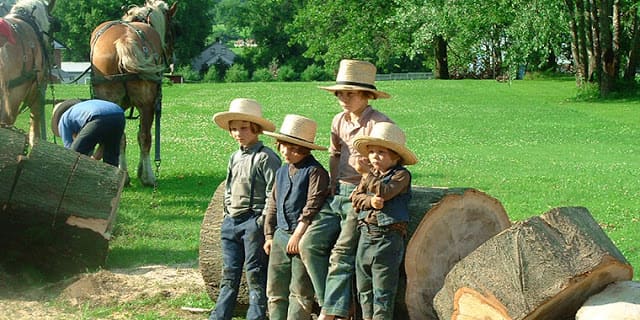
242 241
315 248
338 290
378 261
288 286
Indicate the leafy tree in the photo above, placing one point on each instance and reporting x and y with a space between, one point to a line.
80 17
332 30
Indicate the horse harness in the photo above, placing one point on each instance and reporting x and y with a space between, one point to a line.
123 77
29 75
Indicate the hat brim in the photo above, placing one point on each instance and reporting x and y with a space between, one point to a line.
339 87
361 144
222 120
294 140
58 110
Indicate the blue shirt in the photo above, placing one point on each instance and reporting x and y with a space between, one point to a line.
76 117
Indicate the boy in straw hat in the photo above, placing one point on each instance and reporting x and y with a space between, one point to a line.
355 86
298 196
382 203
250 177
83 125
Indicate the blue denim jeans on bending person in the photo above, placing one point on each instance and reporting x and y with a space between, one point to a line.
242 241
378 261
339 286
315 248
289 288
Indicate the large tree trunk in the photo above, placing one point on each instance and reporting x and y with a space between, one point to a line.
454 227
634 50
541 268
57 207
442 60
470 211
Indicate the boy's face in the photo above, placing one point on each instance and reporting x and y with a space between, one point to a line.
353 101
292 153
381 158
241 131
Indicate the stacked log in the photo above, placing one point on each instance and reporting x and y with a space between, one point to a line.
541 268
57 207
618 301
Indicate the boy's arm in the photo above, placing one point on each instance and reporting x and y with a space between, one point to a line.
317 193
398 183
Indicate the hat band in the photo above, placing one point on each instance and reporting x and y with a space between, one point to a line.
360 84
297 138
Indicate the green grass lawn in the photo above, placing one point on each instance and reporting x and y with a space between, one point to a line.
529 144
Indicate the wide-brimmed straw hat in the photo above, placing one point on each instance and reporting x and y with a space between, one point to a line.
357 75
298 130
243 109
387 135
60 109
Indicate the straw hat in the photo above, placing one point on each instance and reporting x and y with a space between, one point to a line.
244 110
60 109
357 75
298 130
387 135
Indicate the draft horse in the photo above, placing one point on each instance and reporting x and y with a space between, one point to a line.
128 58
24 63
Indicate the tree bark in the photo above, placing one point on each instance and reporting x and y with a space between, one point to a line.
57 207
541 268
442 64
454 227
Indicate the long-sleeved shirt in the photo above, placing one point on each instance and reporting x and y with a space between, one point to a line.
317 193
343 132
388 185
74 119
257 164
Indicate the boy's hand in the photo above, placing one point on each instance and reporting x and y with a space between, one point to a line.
267 246
377 202
363 166
292 245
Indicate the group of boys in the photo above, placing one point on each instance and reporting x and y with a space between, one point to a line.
302 233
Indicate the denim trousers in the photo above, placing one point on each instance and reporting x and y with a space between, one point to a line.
104 130
289 287
339 285
242 240
315 248
378 261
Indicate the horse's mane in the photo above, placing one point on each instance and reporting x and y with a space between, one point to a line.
36 9
153 13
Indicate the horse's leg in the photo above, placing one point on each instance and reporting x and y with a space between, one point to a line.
145 171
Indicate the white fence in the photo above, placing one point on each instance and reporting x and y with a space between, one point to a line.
404 76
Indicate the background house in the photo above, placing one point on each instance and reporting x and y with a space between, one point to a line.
214 54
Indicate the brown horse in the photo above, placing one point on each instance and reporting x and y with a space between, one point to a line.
24 63
127 61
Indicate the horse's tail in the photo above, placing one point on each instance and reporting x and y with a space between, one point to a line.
133 59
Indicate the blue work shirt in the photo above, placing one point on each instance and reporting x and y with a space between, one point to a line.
74 119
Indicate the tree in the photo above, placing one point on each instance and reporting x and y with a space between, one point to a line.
79 17
604 42
332 30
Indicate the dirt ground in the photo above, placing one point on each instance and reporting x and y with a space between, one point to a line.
69 299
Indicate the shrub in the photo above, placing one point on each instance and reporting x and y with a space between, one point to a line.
315 73
237 73
262 75
286 73
188 74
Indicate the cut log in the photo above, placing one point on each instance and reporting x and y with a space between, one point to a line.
210 252
541 268
469 304
454 227
466 200
14 145
618 301
59 210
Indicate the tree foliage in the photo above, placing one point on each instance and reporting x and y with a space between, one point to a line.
79 18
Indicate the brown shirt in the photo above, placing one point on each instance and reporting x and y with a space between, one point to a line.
316 196
372 185
343 132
